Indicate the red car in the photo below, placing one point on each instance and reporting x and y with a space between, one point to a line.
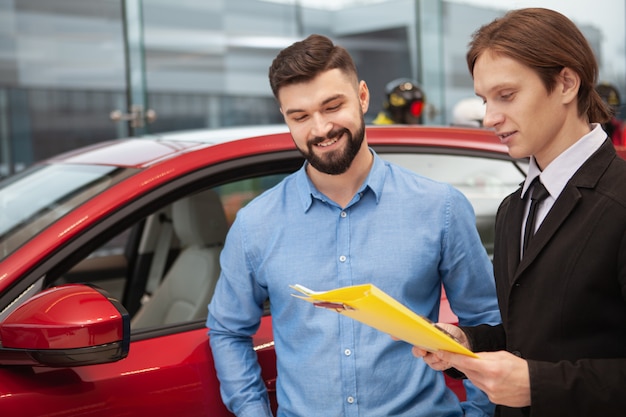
109 255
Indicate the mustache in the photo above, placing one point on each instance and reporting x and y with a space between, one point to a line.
331 135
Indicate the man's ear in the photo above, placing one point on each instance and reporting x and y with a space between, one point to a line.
569 84
364 96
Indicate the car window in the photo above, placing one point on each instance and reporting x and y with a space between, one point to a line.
236 195
454 169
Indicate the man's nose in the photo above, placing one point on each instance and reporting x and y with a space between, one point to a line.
492 117
321 125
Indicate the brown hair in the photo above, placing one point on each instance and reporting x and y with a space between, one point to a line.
306 59
546 41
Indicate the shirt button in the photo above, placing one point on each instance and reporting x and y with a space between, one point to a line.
342 258
350 400
343 214
347 352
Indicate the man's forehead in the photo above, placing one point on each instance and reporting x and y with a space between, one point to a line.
325 88
496 72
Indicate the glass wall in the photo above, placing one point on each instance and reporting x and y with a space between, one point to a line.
62 71
75 72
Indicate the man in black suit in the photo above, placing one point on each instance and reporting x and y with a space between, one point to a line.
561 349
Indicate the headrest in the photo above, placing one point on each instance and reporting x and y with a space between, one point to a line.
200 219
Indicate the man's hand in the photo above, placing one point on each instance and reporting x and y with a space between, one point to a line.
503 376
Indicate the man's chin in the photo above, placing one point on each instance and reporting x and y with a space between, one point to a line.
329 167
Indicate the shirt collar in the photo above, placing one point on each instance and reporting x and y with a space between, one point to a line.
374 182
556 175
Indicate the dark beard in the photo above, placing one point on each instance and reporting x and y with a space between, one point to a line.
336 162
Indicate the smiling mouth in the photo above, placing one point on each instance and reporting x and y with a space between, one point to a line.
327 143
505 136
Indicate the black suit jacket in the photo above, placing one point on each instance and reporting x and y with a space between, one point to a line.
563 305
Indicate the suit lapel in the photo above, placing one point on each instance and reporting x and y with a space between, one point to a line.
513 225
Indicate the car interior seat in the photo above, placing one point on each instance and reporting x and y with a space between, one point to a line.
200 224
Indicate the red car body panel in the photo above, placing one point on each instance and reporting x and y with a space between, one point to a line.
176 379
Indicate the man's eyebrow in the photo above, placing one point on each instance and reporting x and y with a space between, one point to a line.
498 87
292 111
333 98
326 101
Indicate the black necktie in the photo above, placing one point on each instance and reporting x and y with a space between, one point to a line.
538 194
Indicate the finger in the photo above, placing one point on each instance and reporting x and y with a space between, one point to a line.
461 362
419 352
435 363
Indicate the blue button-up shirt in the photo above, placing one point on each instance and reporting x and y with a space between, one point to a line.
404 233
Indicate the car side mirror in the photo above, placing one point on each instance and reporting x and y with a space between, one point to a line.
65 326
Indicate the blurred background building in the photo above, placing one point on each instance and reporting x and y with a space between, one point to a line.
75 72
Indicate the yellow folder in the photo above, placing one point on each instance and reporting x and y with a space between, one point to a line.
370 305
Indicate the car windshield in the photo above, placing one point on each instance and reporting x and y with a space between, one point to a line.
32 200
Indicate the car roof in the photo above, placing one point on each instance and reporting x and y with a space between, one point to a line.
219 135
148 150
